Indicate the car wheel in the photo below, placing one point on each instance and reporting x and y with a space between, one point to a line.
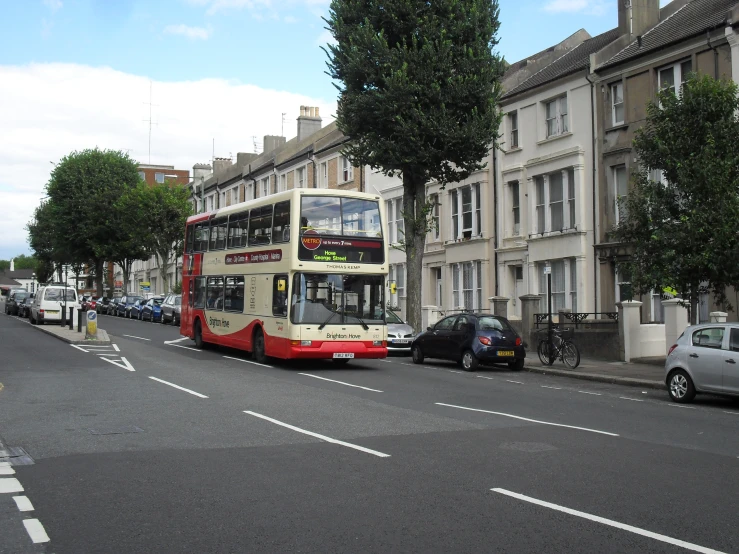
517 365
258 351
469 361
199 342
681 387
417 354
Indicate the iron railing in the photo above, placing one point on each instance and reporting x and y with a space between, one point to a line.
578 317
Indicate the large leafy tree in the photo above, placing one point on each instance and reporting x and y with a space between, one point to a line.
83 188
418 84
684 228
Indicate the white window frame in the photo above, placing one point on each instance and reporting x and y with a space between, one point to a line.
566 298
473 286
436 207
389 205
397 275
616 192
543 207
249 192
142 175
514 188
300 177
677 73
264 188
458 214
513 124
347 170
617 92
282 186
323 176
556 121
159 177
399 221
619 283
540 193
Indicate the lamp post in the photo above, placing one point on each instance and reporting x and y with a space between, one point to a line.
66 284
550 338
33 282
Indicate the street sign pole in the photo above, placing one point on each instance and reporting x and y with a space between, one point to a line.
550 337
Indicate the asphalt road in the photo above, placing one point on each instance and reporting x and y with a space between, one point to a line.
154 446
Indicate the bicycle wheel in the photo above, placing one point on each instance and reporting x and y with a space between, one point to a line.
543 351
571 355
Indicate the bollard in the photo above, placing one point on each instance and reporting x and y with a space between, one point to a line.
92 326
71 318
80 314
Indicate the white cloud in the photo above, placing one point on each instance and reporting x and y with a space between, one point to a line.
325 38
597 7
290 19
216 6
50 110
53 5
187 31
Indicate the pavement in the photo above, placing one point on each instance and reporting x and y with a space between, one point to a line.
150 445
621 373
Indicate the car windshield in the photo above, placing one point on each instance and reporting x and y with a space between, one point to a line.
489 323
157 301
178 301
333 299
58 295
19 296
132 299
392 318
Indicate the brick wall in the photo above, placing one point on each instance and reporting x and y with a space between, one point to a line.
291 180
310 169
333 173
183 175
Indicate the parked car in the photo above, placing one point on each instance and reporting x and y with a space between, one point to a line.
84 299
14 300
471 339
92 303
49 302
152 310
24 307
101 306
400 335
112 308
705 358
124 306
172 309
134 312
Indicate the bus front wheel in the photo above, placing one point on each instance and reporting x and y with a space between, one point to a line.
258 347
199 343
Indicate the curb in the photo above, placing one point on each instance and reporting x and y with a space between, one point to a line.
626 381
102 334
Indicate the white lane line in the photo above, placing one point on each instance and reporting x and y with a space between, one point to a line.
178 387
517 382
36 531
247 361
123 363
23 503
634 399
610 522
6 469
99 347
115 347
452 371
732 413
79 348
322 437
386 361
10 484
176 340
340 382
593 393
679 406
483 377
548 387
528 419
185 347
133 337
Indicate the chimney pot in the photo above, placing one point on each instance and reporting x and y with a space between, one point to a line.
317 108
312 111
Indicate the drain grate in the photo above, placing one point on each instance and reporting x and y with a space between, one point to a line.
15 456
116 430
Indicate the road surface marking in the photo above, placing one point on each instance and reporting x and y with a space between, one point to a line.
322 437
24 504
452 371
247 361
186 347
732 413
98 347
593 393
79 348
123 362
610 522
517 382
176 340
6 469
115 347
178 387
483 377
679 406
634 399
548 387
134 337
10 484
35 530
528 419
340 382
386 361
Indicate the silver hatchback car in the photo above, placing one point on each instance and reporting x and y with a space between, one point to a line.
704 359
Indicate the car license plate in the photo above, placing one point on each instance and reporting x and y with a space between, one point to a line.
505 353
52 311
401 341
343 355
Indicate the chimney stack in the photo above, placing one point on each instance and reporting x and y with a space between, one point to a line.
309 122
636 17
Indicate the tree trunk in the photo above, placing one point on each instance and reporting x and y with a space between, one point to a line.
414 201
164 270
99 277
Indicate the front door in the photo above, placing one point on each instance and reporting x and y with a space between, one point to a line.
731 364
706 358
460 336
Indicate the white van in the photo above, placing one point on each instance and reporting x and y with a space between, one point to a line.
49 303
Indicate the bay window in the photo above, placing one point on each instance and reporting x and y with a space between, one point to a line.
555 201
466 212
467 285
564 285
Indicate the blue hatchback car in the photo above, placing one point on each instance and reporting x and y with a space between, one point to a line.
152 310
471 339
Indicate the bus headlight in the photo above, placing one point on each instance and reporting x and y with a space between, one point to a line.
301 342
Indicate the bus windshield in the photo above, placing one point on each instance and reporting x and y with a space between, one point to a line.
348 217
334 299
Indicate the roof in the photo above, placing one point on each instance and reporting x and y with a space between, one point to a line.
693 19
5 280
20 274
573 61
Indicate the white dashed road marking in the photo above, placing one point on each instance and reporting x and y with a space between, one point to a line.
176 340
6 469
339 382
36 531
548 387
185 347
122 363
609 522
593 393
517 382
9 485
179 387
322 437
133 337
634 399
483 377
23 503
242 360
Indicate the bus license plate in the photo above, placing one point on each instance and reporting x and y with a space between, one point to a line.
343 355
505 353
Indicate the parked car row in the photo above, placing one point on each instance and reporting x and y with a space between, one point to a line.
162 309
44 306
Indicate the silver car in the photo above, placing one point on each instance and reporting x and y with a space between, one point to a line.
704 359
399 334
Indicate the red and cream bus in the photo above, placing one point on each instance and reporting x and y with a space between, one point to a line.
299 274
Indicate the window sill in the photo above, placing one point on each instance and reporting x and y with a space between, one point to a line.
513 150
619 127
476 238
555 137
550 234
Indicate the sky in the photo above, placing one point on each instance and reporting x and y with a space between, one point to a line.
175 81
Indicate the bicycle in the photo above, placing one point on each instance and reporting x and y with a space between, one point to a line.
564 349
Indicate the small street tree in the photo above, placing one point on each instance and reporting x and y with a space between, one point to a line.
684 231
418 84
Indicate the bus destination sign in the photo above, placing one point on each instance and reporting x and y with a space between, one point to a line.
316 248
254 257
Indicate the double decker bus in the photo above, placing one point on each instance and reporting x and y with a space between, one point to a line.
298 274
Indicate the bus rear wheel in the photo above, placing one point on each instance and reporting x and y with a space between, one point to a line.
199 342
258 347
